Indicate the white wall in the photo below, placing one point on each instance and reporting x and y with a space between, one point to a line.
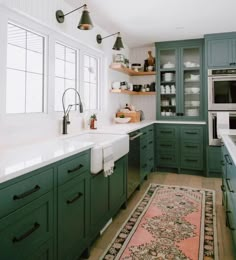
23 129
145 103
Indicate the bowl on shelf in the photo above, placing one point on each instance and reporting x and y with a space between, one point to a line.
192 112
122 120
193 90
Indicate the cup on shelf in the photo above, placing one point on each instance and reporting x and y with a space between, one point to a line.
172 89
167 89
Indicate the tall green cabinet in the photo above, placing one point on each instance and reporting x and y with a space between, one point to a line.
180 80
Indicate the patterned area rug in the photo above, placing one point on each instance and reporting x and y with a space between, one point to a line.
169 222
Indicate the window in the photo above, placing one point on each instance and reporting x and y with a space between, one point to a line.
25 71
90 82
65 75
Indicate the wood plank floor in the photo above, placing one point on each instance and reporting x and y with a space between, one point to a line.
223 234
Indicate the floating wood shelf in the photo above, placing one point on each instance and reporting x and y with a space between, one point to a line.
120 91
121 68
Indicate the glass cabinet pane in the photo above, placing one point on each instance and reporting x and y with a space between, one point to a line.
168 59
168 82
191 81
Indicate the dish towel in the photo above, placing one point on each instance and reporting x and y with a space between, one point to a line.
108 160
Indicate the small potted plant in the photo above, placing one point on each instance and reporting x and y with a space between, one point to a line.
93 121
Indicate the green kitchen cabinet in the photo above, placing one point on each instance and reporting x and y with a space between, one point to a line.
229 191
73 215
214 161
180 80
118 186
221 50
108 194
25 230
146 151
99 203
73 175
180 148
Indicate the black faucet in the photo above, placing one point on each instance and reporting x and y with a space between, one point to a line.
66 120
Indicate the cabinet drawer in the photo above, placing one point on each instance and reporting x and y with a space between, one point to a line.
167 159
73 167
25 230
192 162
25 191
165 145
192 133
166 132
191 147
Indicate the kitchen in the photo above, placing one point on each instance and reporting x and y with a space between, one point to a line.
20 128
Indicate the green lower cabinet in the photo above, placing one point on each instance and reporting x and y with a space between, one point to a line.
180 147
107 196
214 161
24 231
118 186
99 203
72 217
44 252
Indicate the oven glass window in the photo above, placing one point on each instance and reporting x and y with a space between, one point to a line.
224 92
232 122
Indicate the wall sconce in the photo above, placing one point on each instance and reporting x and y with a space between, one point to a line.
85 22
118 43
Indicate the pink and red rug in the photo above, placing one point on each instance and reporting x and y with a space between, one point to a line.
169 222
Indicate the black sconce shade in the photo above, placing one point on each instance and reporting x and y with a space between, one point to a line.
85 22
118 43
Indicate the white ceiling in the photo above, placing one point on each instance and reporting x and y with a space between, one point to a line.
143 22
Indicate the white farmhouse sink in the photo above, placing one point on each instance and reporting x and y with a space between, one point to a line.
120 147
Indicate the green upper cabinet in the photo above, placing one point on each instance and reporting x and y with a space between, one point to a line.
221 50
179 79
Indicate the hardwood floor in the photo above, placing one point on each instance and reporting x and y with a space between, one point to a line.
223 234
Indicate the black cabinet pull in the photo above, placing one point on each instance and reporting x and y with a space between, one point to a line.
150 142
190 146
223 188
229 186
165 132
227 219
190 160
76 168
27 193
166 145
166 158
191 133
178 114
26 234
144 147
227 158
232 63
75 198
150 130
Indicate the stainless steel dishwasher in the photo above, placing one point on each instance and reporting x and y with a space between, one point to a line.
133 177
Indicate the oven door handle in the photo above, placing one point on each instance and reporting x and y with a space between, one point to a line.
131 138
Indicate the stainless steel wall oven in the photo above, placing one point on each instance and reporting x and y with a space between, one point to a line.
222 89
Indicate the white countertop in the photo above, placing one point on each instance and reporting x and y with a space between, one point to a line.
229 143
23 159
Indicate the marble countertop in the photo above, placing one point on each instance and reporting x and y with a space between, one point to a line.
226 136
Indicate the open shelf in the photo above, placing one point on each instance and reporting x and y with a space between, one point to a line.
120 91
121 68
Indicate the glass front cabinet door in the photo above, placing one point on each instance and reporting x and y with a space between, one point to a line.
179 80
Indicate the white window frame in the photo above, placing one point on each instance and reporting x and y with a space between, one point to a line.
73 46
99 76
44 85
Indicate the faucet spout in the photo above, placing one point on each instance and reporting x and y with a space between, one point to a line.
65 120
